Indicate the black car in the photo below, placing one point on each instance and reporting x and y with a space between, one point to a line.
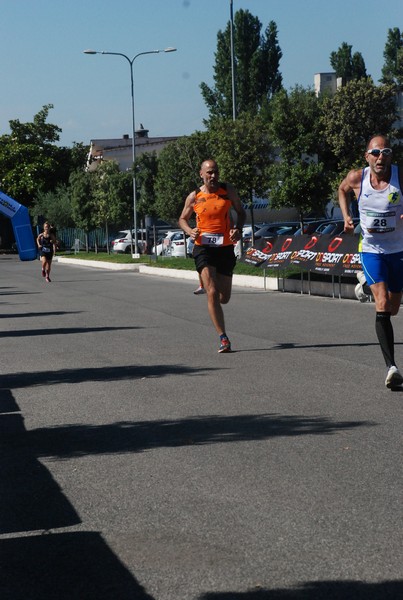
273 229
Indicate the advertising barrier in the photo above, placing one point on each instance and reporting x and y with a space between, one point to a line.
19 216
327 254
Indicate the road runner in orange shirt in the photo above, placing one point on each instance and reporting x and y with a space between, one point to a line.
214 237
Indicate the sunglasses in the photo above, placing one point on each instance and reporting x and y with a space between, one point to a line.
376 152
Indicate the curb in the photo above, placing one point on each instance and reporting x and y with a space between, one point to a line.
261 283
98 264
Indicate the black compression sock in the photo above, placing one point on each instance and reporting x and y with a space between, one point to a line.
384 331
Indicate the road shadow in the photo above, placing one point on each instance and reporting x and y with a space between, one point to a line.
17 293
113 373
68 441
64 566
294 346
15 333
319 590
30 498
55 313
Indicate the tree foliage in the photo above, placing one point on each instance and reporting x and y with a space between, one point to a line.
392 70
28 157
112 194
30 160
178 172
82 201
295 123
146 175
243 152
301 184
353 114
54 206
348 66
257 59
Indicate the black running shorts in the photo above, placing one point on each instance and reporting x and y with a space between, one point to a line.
222 258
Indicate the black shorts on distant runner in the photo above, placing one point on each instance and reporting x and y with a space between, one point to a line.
222 258
46 254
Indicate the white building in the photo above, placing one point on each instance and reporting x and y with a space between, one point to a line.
120 149
326 83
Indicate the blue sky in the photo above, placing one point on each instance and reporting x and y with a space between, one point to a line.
42 60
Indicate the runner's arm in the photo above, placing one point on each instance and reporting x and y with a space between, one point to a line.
236 231
351 183
186 215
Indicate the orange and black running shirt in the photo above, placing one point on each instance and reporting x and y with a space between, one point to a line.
213 217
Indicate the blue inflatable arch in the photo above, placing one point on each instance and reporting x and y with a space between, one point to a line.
27 248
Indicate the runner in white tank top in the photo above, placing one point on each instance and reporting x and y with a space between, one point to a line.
380 212
378 189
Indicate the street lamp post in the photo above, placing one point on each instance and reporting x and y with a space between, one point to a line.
231 10
131 61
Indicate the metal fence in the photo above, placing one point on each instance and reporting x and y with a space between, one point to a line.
94 239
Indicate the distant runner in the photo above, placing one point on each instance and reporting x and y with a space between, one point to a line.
46 243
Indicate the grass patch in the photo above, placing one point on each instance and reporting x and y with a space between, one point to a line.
104 257
164 262
187 264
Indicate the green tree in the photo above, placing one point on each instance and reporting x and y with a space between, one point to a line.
346 65
392 70
112 194
302 185
257 59
178 173
146 175
31 161
243 154
29 157
54 206
82 185
295 123
70 160
352 115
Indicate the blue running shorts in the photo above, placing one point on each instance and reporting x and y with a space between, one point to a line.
387 268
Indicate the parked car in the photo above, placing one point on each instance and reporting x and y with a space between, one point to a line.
311 227
178 244
272 229
123 242
109 241
290 230
336 227
163 246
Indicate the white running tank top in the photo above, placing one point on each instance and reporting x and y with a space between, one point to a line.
380 211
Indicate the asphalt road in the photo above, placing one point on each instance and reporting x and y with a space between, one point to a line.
137 463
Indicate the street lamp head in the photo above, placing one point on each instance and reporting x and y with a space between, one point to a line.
90 52
170 49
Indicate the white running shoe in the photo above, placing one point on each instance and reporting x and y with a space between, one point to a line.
393 378
361 278
360 294
200 290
